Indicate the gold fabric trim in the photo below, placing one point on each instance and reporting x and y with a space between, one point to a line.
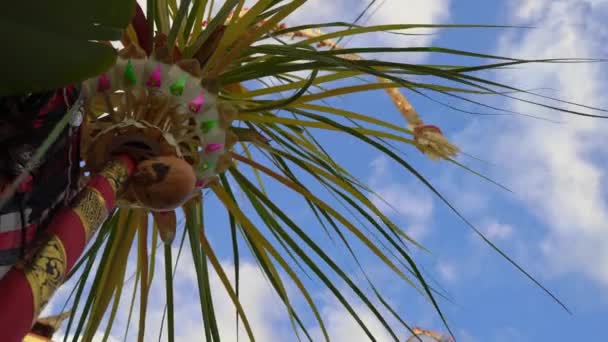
117 175
31 337
46 272
91 209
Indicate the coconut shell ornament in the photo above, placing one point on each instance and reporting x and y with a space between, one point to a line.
160 114
163 183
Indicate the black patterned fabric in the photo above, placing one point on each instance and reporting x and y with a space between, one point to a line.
25 123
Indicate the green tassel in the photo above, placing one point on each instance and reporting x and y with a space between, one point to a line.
207 126
204 167
177 88
130 77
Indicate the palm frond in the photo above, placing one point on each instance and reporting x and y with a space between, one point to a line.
274 85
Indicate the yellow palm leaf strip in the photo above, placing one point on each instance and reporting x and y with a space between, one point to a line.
273 22
120 270
224 279
259 238
346 223
111 276
303 141
153 254
234 31
129 37
114 245
249 135
244 20
321 125
173 8
318 154
316 171
298 84
251 35
315 33
162 13
281 120
198 22
255 172
344 91
240 9
255 243
352 115
142 259
235 89
430 140
352 191
133 297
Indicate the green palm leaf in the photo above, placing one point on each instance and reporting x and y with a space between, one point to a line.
260 72
49 44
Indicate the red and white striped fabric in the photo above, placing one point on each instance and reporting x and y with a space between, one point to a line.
50 183
3 270
12 231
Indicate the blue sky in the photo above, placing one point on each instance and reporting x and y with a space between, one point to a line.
553 224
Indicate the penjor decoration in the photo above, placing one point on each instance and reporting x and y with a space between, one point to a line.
155 128
143 118
154 133
162 114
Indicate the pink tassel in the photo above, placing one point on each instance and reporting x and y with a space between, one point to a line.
155 78
196 104
103 83
213 148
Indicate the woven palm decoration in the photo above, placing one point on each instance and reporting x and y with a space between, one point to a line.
149 108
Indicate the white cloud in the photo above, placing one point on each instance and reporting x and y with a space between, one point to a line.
342 327
465 336
558 170
447 271
384 12
496 231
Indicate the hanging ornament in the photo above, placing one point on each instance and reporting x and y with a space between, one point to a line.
162 115
431 141
163 183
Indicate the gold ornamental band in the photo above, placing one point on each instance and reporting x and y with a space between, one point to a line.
90 206
46 272
117 175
